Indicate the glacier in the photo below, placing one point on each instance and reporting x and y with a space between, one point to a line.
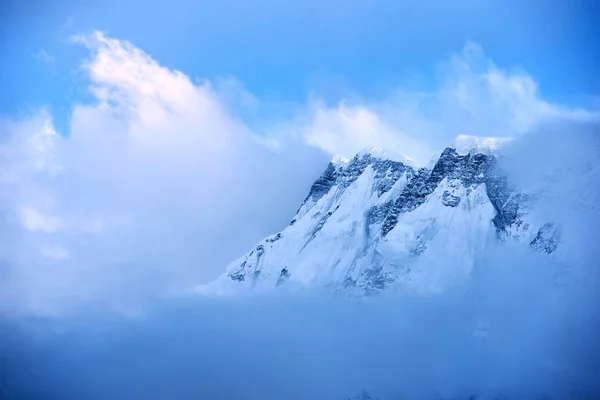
379 222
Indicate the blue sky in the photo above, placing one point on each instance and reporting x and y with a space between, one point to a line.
282 51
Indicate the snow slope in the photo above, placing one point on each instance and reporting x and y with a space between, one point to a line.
376 222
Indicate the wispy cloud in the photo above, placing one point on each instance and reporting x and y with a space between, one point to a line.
44 57
475 97
33 220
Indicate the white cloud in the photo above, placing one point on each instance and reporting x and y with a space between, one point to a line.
44 57
475 97
157 186
29 146
34 221
345 130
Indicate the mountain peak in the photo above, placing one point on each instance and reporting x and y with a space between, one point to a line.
465 144
375 222
340 161
377 153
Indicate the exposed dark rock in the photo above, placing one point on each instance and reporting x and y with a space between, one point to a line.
283 276
274 238
323 220
387 174
449 200
239 275
471 170
354 169
387 171
378 212
375 279
547 238
504 197
323 184
245 269
412 196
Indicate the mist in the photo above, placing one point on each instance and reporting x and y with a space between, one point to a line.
511 331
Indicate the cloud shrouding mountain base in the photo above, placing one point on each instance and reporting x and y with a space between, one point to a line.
522 328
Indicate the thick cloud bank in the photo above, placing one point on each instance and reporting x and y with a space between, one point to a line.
157 187
511 333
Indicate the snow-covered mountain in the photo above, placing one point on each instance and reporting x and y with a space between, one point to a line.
378 221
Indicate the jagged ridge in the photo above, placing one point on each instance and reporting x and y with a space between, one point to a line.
367 222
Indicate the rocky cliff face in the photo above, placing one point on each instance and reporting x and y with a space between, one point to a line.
376 222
